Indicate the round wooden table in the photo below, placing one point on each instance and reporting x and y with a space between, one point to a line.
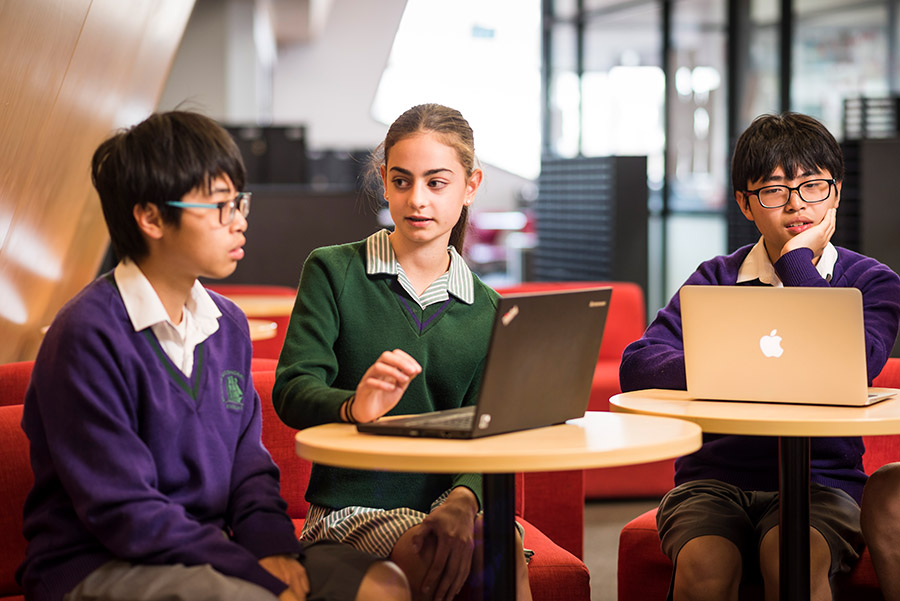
264 305
793 425
262 329
599 439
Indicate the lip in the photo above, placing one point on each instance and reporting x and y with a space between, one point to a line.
236 253
795 227
418 220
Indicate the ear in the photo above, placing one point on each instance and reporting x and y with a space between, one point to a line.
383 170
744 201
837 194
149 220
472 185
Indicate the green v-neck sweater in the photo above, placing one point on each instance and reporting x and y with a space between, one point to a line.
343 319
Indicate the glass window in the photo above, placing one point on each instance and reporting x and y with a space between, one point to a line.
698 149
482 58
837 54
565 92
623 87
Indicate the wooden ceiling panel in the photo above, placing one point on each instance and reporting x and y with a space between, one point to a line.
71 72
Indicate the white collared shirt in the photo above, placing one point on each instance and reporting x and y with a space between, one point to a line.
200 315
757 265
458 280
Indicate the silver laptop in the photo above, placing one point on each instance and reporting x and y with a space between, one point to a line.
792 345
538 371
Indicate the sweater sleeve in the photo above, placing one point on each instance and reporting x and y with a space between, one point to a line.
880 288
302 395
257 514
108 472
656 359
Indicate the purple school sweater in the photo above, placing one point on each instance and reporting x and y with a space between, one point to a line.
134 461
751 462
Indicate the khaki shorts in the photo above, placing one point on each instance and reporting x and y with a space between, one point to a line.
335 572
712 507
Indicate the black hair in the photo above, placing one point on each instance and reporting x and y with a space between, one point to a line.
792 141
162 158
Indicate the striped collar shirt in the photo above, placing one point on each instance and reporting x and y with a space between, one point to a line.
458 280
757 265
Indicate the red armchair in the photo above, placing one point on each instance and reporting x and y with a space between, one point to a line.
624 324
552 503
644 572
545 502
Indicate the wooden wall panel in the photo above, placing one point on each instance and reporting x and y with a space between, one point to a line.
71 72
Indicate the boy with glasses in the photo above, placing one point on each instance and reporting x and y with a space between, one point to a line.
719 525
151 481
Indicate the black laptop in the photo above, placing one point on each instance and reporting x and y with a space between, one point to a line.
539 368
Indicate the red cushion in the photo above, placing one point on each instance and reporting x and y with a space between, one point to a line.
604 385
883 449
554 503
16 480
890 374
554 573
14 379
644 571
627 314
641 480
279 440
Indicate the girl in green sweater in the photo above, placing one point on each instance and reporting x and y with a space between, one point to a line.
398 324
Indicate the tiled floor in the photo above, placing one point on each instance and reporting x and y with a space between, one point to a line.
603 520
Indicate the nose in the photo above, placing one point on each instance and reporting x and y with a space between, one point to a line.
417 197
794 200
239 223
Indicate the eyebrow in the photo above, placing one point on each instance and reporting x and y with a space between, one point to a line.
782 178
427 173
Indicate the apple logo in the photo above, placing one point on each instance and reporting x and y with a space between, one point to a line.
771 345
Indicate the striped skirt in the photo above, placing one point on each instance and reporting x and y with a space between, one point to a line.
368 529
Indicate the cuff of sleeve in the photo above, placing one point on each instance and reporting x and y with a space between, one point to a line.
796 268
264 578
473 483
266 535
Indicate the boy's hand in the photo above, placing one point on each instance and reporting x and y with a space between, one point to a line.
291 572
453 525
383 384
815 238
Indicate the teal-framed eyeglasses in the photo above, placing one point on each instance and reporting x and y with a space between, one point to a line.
227 208
810 192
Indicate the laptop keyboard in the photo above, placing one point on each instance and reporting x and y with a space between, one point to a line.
449 419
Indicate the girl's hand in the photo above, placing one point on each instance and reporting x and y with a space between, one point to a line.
383 384
452 524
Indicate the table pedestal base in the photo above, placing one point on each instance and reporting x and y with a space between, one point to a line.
793 511
499 536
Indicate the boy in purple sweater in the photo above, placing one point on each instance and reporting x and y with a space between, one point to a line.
151 481
719 525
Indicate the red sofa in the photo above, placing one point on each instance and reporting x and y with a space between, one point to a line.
644 572
551 503
625 323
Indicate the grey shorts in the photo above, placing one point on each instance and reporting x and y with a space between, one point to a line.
712 507
335 572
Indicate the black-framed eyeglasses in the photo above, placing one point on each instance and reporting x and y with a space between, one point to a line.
810 192
227 208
